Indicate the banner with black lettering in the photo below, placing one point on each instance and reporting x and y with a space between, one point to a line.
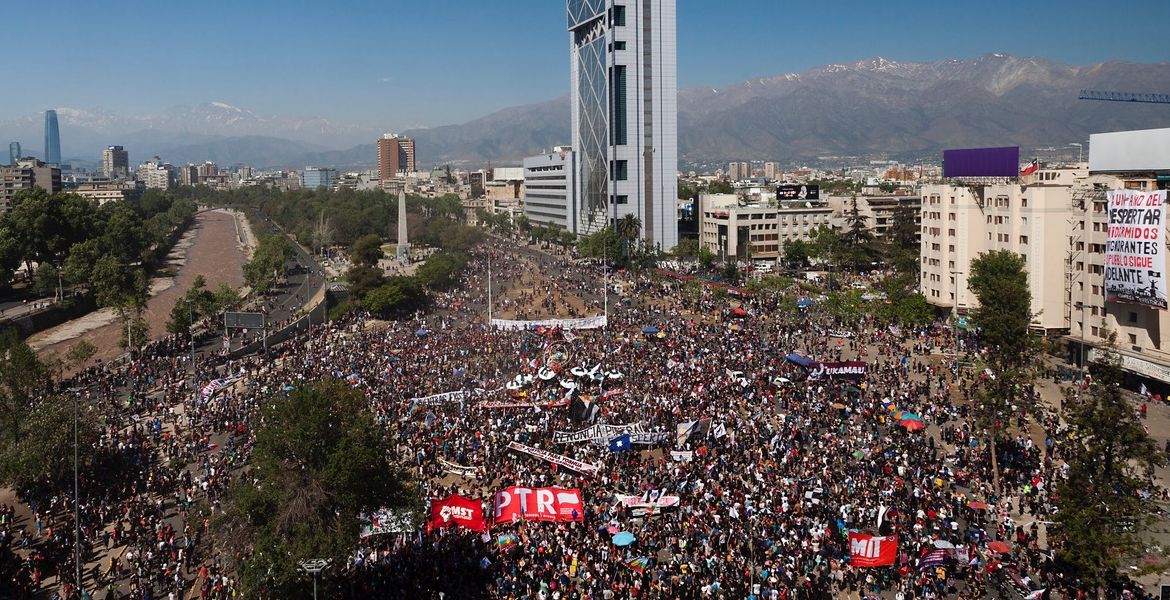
556 459
1134 264
438 399
600 434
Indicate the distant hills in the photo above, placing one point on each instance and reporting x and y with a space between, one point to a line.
875 107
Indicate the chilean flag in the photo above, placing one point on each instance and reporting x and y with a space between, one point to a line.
1031 168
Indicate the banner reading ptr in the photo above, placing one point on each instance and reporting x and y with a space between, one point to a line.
1134 265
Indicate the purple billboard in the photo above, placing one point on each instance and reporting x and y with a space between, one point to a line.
982 162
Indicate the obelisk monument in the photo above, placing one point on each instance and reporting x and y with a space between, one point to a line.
403 243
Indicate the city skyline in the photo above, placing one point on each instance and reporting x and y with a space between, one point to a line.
508 69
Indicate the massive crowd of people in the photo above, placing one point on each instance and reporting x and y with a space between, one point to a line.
768 493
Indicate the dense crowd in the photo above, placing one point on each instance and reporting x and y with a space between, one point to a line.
768 493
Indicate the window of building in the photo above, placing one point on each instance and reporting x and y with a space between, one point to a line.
951 248
1132 317
619 105
1133 338
1096 331
1024 202
621 170
619 45
619 16
621 199
1023 239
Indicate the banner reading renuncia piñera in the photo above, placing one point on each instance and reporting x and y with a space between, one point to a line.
1134 265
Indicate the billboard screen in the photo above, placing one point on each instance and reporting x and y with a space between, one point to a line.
798 192
1143 150
1134 260
982 162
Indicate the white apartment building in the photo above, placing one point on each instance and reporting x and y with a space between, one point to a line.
624 107
550 190
756 231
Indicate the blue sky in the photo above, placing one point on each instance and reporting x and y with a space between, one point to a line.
398 64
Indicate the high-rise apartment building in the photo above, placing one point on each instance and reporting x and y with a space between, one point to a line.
771 169
27 173
14 153
115 163
156 174
624 107
395 156
189 175
208 170
52 139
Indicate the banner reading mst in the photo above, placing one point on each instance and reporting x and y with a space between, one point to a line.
1133 259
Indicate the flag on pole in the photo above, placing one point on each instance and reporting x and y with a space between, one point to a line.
620 443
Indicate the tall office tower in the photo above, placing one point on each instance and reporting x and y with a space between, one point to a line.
395 156
14 153
624 102
115 163
770 170
52 139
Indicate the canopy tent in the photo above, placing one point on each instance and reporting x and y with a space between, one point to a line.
650 330
800 359
804 303
739 312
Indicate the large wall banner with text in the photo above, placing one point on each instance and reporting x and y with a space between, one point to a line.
1134 261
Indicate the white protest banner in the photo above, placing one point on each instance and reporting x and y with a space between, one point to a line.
437 399
490 404
387 521
556 459
1134 265
458 469
652 500
601 434
682 455
216 385
582 323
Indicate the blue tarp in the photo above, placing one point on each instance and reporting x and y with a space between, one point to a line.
800 359
804 303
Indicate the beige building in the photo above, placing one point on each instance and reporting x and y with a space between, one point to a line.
756 231
879 211
107 191
115 163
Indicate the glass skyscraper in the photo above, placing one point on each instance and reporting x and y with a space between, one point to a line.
13 153
52 139
624 102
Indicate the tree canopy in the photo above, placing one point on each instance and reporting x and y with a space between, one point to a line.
318 463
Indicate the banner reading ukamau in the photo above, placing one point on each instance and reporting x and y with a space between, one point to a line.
1134 265
538 504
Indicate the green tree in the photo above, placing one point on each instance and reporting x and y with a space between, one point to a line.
1111 460
1000 283
686 248
441 269
796 253
269 263
901 241
858 250
721 186
397 295
318 463
366 250
685 191
706 257
363 279
117 285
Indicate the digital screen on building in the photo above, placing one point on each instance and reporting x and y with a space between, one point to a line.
982 162
798 192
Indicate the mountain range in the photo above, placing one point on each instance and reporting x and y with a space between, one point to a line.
871 108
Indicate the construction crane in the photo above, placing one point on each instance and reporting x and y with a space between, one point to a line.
1109 96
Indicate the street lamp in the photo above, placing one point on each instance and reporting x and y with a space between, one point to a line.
1080 151
314 566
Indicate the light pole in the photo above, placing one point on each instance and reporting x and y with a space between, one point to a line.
76 392
1080 151
314 566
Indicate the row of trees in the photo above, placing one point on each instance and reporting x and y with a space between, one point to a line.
64 240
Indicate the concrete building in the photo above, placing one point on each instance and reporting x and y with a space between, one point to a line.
756 231
188 175
879 211
156 174
396 156
26 174
739 170
313 178
550 191
207 170
107 191
115 163
771 170
623 99
505 184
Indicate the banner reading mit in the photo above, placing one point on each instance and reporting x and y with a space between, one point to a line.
1134 265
